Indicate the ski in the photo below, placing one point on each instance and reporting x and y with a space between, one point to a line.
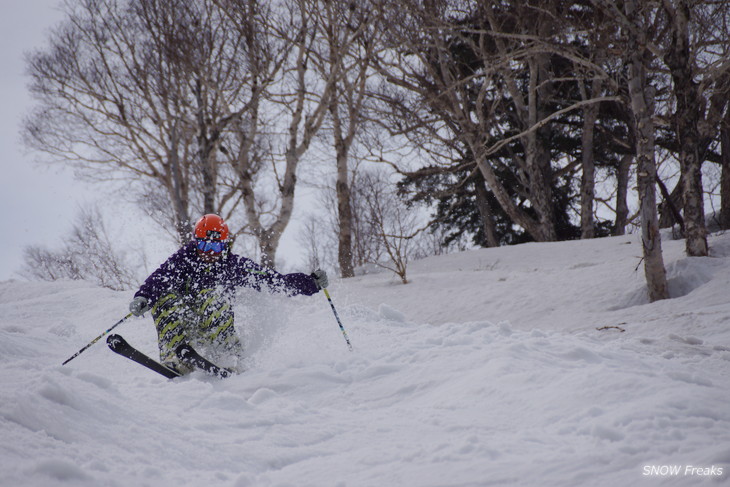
119 345
189 356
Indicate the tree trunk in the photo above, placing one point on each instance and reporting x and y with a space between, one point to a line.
342 144
268 245
687 119
534 228
538 165
485 211
588 177
672 201
344 215
725 177
642 105
537 154
206 151
178 189
588 163
622 191
588 180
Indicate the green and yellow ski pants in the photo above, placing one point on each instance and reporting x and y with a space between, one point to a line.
204 320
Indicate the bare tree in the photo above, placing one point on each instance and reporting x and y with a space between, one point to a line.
87 254
392 222
367 245
623 174
591 88
725 174
141 90
500 100
699 70
634 20
350 34
386 231
286 117
320 234
316 239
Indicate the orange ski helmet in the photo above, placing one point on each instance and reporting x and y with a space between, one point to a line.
211 227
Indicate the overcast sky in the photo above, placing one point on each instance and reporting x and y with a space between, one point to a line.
37 204
40 202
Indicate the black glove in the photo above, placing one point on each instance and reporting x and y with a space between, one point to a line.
320 278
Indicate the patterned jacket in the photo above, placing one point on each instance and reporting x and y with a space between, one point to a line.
184 273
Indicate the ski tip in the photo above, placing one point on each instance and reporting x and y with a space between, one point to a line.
183 350
188 355
115 341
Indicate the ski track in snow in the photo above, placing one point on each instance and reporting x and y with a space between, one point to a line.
488 369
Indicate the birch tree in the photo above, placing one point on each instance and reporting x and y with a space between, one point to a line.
140 90
699 69
270 144
635 23
350 34
725 172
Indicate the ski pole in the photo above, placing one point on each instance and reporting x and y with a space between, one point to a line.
337 317
98 338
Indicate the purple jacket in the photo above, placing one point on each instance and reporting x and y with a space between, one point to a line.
184 273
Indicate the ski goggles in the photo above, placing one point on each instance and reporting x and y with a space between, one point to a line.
215 246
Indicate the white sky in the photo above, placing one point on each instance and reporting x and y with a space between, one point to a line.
38 204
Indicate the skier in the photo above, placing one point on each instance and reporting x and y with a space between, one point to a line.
191 293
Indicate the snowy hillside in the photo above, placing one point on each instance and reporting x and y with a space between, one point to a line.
488 369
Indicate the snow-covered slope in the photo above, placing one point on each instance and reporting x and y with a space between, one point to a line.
489 368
